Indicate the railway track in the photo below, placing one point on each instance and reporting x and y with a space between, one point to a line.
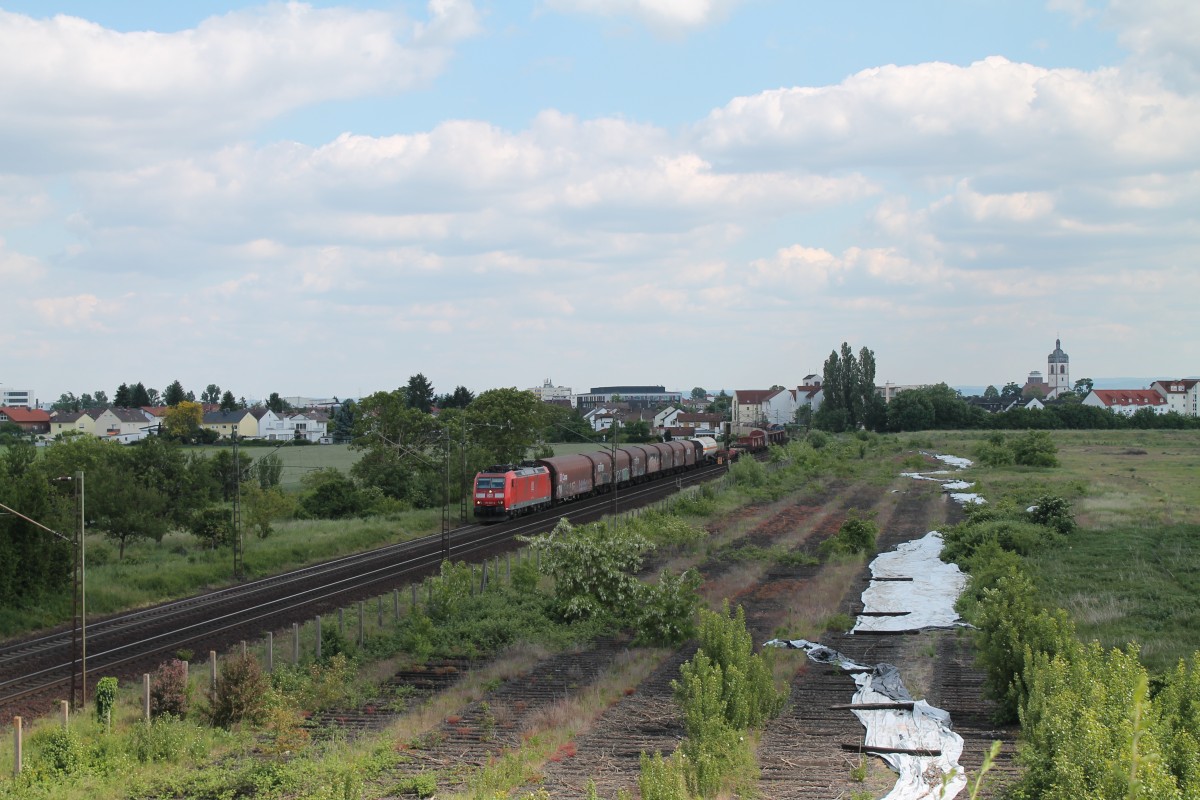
37 670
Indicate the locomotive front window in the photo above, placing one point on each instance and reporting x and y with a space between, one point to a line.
490 483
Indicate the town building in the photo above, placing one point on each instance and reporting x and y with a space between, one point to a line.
549 393
14 398
637 397
1182 396
29 420
1126 401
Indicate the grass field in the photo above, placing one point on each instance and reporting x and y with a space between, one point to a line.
299 461
1132 571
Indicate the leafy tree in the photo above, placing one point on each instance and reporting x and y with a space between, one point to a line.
269 470
638 431
212 526
461 397
991 393
565 425
32 561
228 403
154 397
160 464
1035 449
1010 393
330 494
262 507
419 393
1083 387
720 404
849 384
211 394
506 423
67 402
396 441
174 394
698 393
343 421
228 476
594 568
183 419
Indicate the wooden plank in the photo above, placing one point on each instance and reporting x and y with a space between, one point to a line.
904 751
898 706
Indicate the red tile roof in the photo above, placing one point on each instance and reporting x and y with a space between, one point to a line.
1129 397
747 397
22 414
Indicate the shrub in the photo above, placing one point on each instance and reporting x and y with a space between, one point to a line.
61 751
662 778
667 611
240 694
856 535
170 692
995 452
161 739
1035 449
1053 512
106 698
749 693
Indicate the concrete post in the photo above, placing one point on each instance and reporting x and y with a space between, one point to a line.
483 578
146 696
65 706
361 633
16 746
243 648
318 637
270 651
212 668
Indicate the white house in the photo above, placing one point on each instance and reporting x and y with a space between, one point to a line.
1182 396
1126 401
270 426
124 425
667 418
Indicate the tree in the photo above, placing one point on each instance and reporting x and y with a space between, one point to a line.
849 385
228 403
698 393
1010 393
910 411
139 396
67 402
269 470
329 494
991 393
1083 387
343 421
228 475
638 431
262 507
211 394
418 393
182 420
461 397
174 394
124 396
506 423
277 403
396 441
155 397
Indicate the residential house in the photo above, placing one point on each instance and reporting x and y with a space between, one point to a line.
1126 401
763 408
123 425
1182 396
697 423
665 418
73 422
30 420
226 423
310 425
270 425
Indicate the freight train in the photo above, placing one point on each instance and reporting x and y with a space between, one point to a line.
505 491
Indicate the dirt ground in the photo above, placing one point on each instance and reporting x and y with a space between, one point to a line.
805 752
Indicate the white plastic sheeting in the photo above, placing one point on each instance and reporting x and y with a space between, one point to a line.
928 598
953 486
921 777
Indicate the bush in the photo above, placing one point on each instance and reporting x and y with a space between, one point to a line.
1053 512
856 535
106 699
1035 449
170 692
667 611
240 694
161 739
61 751
995 452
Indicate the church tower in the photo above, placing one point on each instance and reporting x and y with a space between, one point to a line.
1058 371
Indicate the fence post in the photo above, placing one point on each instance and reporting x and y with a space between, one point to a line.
65 705
508 565
212 668
361 614
270 651
243 648
380 620
318 637
414 596
483 577
16 746
146 696
342 621
295 642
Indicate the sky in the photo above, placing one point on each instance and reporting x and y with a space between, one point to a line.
325 198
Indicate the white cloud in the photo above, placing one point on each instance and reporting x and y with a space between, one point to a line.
18 269
662 16
74 311
72 89
1164 37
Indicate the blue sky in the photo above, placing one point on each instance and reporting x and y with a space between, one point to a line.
326 198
